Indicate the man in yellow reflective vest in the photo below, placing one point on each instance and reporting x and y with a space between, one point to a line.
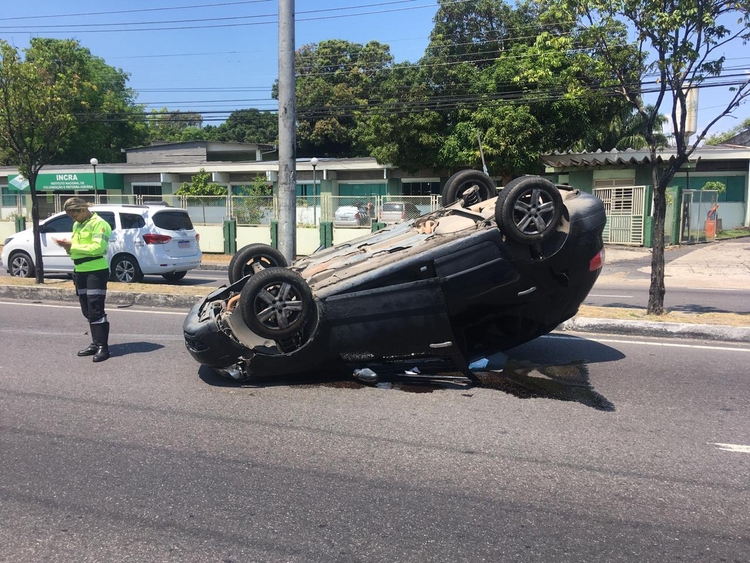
87 248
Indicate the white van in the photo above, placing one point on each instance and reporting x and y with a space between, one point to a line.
146 240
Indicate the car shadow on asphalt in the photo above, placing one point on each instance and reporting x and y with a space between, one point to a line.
564 378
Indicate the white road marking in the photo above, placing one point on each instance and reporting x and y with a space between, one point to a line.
645 343
607 295
719 289
732 447
110 308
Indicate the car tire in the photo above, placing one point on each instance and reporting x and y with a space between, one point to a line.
174 277
461 181
252 258
20 265
125 269
529 209
276 303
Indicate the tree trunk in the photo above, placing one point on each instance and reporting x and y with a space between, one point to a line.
657 289
38 261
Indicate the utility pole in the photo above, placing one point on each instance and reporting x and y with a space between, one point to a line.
287 235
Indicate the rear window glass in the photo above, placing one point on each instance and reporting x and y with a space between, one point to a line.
109 217
173 220
132 221
392 207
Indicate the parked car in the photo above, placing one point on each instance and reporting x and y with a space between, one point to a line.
146 240
437 292
350 216
395 211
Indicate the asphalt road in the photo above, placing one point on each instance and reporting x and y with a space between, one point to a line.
687 300
582 449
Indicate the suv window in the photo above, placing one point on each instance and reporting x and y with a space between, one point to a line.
108 216
62 224
173 220
132 221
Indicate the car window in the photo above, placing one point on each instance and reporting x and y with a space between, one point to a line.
109 217
392 207
173 220
62 224
132 221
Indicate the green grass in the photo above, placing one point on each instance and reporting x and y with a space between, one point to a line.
733 233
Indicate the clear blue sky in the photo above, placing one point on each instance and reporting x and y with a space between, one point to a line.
211 55
218 56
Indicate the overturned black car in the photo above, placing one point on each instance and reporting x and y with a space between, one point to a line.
487 271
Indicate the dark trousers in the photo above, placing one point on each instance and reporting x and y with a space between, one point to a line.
91 288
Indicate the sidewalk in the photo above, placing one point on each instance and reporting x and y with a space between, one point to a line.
722 264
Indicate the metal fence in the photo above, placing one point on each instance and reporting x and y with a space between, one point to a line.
247 210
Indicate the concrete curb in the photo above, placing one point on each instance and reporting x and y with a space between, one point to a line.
664 330
117 298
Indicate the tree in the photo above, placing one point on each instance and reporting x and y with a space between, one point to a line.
249 126
625 131
107 115
517 77
169 125
680 47
336 80
723 137
201 185
38 100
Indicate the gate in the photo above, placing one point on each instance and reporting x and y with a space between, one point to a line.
625 209
698 216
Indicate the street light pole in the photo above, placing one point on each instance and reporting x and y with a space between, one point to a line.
94 162
314 164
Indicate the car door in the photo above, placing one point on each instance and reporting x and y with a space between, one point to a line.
128 238
55 258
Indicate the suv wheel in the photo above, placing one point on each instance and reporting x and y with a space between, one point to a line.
173 277
20 265
125 269
462 182
276 303
529 209
253 258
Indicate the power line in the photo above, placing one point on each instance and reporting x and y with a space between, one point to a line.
201 22
143 10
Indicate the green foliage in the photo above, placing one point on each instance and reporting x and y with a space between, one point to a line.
201 185
336 82
517 76
38 99
251 209
174 125
720 187
106 118
724 136
249 126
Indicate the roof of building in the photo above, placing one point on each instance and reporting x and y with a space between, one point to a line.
642 156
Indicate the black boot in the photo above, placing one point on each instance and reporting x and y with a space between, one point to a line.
90 351
100 332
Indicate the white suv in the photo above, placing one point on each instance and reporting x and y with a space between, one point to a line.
146 240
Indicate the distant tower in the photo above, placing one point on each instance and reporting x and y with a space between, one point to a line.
691 119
